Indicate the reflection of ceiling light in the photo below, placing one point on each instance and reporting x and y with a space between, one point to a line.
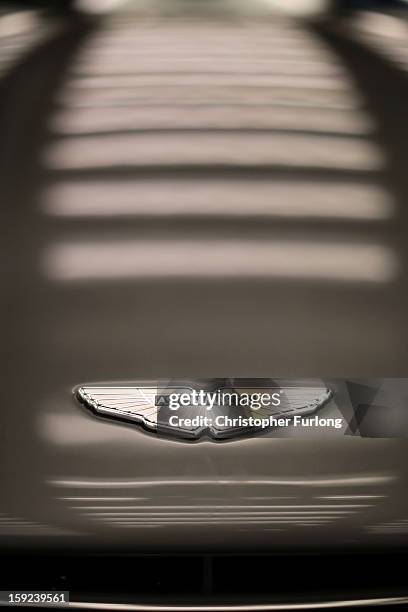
218 197
104 119
352 497
380 24
141 511
97 6
18 23
299 8
143 259
335 480
288 150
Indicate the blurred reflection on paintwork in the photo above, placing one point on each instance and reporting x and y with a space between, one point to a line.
158 99
20 31
386 34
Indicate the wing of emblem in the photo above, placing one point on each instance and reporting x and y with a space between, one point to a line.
303 400
129 403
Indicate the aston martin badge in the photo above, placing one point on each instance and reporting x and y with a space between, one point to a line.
217 409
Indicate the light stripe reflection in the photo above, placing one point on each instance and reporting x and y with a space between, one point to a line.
145 259
99 120
335 480
302 199
235 149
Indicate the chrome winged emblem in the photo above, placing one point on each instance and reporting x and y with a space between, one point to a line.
218 408
129 403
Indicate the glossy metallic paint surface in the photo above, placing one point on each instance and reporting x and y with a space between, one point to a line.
72 482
